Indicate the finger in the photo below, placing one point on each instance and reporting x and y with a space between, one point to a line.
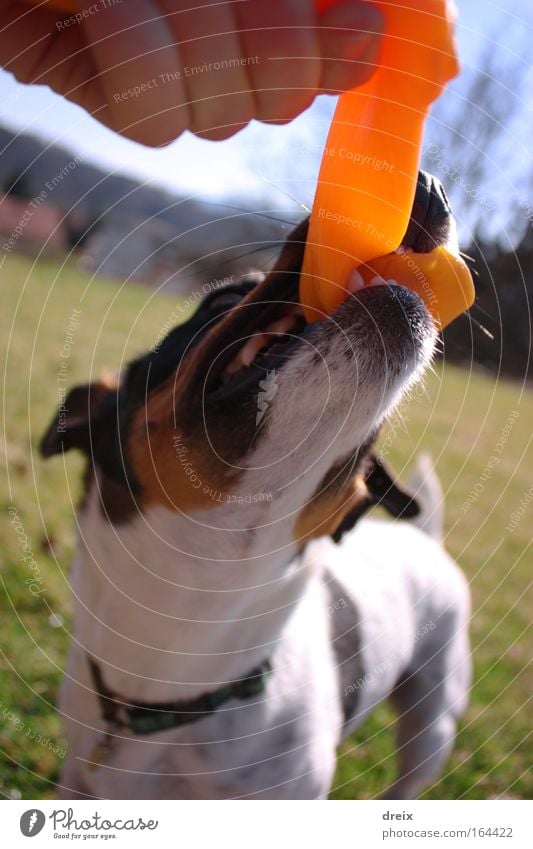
350 37
30 46
282 33
137 59
42 47
214 67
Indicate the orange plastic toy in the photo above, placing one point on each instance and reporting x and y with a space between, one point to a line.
367 178
440 277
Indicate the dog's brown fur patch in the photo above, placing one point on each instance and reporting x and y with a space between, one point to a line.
173 469
117 501
328 507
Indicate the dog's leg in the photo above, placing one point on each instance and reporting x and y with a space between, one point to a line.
71 784
429 701
424 738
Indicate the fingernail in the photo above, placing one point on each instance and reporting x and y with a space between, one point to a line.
355 281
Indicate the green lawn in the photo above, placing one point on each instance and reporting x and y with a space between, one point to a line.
464 420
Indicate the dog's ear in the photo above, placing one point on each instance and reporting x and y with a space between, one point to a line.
79 416
384 490
381 489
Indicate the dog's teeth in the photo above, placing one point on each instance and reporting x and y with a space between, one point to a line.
282 325
247 353
233 366
377 281
252 346
355 281
265 336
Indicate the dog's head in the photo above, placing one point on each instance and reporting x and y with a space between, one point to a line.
247 412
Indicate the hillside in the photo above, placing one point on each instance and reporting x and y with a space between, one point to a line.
123 228
118 227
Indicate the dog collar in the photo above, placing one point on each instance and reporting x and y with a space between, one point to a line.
144 718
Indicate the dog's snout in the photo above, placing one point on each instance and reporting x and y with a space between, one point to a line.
431 217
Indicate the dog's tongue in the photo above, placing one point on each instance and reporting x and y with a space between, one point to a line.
441 278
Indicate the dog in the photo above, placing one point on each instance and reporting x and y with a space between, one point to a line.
236 614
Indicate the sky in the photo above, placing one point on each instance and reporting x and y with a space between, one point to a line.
258 154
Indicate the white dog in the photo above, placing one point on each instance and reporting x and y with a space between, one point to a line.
231 623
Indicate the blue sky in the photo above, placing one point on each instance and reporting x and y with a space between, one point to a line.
212 169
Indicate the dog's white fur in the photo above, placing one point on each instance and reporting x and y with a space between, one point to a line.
172 605
414 606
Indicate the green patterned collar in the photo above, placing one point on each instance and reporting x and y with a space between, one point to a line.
144 718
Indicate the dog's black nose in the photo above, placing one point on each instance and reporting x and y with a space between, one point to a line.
431 216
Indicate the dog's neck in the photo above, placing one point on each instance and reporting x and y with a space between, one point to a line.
175 605
181 602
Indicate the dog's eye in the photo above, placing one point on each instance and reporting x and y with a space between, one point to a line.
229 296
223 301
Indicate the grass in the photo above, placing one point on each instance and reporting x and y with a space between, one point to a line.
464 419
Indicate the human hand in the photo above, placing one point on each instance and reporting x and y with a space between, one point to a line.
151 69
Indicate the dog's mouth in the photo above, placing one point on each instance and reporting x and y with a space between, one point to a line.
266 342
267 327
249 357
431 221
265 349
